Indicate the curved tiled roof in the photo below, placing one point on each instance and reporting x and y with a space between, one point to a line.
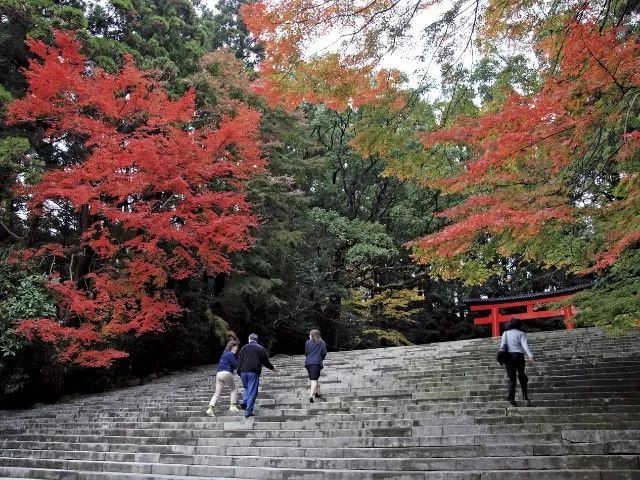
527 296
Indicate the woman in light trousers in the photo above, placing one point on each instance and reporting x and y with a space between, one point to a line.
226 366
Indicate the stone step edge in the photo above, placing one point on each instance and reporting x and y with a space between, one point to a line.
80 475
352 474
318 424
540 457
284 473
246 426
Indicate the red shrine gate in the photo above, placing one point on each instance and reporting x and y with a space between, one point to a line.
502 309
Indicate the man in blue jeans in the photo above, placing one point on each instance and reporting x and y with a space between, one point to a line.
252 357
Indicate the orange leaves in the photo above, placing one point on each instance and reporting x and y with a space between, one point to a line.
325 80
286 27
291 76
518 19
156 200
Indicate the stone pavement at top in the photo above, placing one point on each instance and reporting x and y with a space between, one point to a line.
424 412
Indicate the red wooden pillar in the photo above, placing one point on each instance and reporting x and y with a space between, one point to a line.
568 315
495 325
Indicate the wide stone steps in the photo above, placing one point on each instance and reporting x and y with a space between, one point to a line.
288 474
197 427
183 465
580 435
130 452
496 395
394 431
270 468
428 412
370 419
631 383
27 473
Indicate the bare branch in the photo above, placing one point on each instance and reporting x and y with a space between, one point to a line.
14 235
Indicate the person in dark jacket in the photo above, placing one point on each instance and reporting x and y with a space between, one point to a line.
514 341
315 350
250 362
226 367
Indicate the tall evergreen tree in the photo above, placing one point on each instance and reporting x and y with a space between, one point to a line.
231 32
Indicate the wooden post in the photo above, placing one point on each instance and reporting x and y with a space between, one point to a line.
495 326
568 315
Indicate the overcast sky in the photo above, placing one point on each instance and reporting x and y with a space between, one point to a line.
211 4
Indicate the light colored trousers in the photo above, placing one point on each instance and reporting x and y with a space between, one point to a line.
222 379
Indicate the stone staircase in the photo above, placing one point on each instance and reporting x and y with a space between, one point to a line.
424 412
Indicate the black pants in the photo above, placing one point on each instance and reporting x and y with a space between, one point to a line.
513 367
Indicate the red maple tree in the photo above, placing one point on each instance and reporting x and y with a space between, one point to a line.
154 200
552 176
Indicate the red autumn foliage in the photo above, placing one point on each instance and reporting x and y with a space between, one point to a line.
491 214
532 163
155 201
75 344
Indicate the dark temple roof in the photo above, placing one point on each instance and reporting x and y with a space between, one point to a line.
527 296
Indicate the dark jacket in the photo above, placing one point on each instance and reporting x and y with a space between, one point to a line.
252 357
228 362
314 352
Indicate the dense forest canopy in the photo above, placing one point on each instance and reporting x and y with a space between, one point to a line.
172 175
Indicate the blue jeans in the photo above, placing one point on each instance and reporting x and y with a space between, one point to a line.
250 382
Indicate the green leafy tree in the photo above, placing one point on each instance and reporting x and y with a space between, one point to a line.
384 315
614 301
22 295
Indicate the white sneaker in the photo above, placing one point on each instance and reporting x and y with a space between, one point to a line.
211 411
233 408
